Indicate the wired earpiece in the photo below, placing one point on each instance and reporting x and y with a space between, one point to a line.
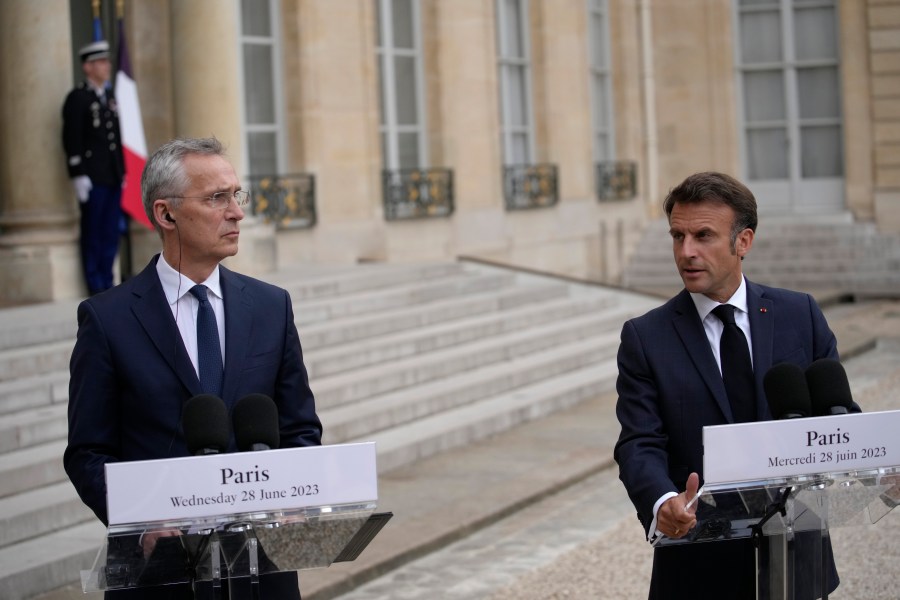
169 218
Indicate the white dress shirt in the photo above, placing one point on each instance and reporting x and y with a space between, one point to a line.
184 305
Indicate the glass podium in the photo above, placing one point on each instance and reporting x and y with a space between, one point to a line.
789 520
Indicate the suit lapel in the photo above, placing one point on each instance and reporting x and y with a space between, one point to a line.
152 311
762 333
690 330
238 325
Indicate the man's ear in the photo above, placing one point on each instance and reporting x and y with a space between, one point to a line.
161 208
744 242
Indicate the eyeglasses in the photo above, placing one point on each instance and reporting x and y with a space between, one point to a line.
222 199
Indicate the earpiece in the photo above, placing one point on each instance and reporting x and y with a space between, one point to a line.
169 218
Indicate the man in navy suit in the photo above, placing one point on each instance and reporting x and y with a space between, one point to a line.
670 382
135 361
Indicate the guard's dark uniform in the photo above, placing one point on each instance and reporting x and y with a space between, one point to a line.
94 148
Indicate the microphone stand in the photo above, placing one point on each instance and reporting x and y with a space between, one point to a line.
777 507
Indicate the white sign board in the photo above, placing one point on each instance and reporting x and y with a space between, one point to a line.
793 447
178 489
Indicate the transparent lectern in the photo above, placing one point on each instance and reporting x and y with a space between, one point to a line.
219 519
810 489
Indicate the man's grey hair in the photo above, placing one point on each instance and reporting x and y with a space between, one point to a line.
164 175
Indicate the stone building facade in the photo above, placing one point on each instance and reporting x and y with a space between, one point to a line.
539 133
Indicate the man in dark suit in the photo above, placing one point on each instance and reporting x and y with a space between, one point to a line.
670 382
137 357
96 164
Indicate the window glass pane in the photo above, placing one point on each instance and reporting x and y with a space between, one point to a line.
385 157
520 152
255 18
601 147
758 2
408 145
818 92
814 33
599 103
263 154
760 37
402 22
763 96
514 43
259 86
518 99
598 38
767 154
821 152
405 89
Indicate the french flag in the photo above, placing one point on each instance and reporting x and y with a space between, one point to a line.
134 145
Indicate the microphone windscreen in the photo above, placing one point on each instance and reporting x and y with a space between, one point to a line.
787 392
205 424
828 387
255 419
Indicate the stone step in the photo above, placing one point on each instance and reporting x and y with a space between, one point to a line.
34 392
352 329
458 427
29 361
32 427
35 566
369 301
40 511
38 324
311 282
31 468
383 412
344 388
337 359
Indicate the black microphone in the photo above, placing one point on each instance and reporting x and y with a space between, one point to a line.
255 418
205 424
829 387
787 392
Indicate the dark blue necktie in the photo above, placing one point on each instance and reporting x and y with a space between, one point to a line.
209 352
737 369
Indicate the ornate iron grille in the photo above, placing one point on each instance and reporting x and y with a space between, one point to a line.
616 180
289 201
530 186
417 193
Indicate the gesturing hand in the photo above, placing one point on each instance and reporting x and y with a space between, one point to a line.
675 519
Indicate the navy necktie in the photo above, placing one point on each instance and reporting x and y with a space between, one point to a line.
209 352
737 369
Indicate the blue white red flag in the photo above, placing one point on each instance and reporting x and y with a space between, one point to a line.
134 145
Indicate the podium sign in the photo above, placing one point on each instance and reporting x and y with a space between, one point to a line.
796 447
182 489
214 520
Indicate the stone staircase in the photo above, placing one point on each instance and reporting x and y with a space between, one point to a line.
419 358
843 258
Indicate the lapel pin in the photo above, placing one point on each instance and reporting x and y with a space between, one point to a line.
762 310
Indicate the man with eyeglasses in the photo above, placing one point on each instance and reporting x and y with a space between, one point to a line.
140 352
96 164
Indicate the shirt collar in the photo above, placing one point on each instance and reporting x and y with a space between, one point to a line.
175 285
706 305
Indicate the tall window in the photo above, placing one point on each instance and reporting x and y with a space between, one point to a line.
516 119
399 50
260 45
789 80
601 90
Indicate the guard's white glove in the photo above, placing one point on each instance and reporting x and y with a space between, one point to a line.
83 186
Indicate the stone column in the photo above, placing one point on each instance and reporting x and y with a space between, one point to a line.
206 66
38 239
470 122
208 99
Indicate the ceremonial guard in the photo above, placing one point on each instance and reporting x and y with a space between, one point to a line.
96 164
